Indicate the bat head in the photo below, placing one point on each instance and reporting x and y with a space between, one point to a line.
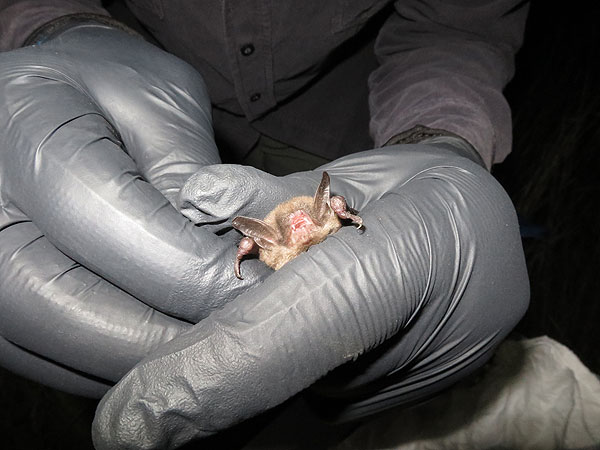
292 227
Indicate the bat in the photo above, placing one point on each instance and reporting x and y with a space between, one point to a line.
292 227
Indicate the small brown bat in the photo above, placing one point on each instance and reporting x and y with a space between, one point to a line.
292 227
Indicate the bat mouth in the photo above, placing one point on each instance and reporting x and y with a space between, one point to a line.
300 220
300 226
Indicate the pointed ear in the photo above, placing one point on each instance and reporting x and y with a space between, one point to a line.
263 234
321 202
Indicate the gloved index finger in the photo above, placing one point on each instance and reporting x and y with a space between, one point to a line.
43 291
69 174
217 193
157 103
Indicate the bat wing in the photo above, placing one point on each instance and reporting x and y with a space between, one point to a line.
263 234
321 201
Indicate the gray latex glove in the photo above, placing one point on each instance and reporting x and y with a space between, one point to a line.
98 132
407 308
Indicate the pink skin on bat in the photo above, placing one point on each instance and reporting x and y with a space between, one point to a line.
292 227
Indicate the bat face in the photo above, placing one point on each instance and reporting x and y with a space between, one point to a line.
292 227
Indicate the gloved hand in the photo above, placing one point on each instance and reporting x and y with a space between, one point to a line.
98 132
407 308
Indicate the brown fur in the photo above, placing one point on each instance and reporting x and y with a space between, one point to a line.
278 219
292 227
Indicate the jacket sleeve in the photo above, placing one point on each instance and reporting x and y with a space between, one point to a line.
444 65
20 18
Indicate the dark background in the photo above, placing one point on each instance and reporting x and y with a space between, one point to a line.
552 174
552 177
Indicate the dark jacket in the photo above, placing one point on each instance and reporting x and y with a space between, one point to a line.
331 77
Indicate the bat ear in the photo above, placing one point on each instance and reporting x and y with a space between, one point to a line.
263 234
321 202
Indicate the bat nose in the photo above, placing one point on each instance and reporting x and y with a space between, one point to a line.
300 220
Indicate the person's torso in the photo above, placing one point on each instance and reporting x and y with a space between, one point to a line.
297 72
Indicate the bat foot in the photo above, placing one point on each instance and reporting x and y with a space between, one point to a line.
341 209
245 247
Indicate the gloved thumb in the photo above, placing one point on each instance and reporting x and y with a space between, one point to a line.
220 192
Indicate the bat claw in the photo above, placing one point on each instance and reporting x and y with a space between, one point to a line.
236 269
357 220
